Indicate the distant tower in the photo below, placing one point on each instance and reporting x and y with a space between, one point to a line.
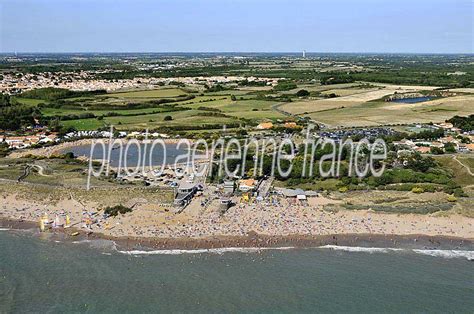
304 53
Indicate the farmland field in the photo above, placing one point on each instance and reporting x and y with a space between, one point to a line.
380 113
198 111
347 104
354 97
154 93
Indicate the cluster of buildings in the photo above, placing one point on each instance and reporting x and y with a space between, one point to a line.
453 137
426 147
18 142
370 133
43 137
15 83
270 125
106 134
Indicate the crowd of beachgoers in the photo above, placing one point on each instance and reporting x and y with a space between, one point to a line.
278 217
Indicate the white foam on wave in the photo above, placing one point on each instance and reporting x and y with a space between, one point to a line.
81 241
447 253
436 253
100 244
360 249
4 229
204 251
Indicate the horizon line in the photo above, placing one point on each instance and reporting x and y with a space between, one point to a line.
231 52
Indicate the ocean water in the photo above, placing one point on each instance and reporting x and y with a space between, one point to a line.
47 275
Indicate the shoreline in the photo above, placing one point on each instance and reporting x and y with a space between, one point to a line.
254 240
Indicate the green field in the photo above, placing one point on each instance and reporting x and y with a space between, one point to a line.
356 105
206 109
382 113
186 118
28 101
154 93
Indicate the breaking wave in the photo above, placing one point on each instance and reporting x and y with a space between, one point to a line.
203 251
435 253
447 253
360 249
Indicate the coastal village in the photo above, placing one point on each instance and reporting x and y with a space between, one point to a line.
233 198
185 200
461 141
236 156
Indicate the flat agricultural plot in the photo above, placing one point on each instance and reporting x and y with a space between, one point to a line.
310 106
248 108
228 92
347 92
29 101
463 90
62 112
180 118
84 124
252 109
320 88
380 113
154 93
255 88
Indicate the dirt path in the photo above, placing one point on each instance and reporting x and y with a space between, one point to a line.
467 167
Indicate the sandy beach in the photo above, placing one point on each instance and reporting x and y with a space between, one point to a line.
242 225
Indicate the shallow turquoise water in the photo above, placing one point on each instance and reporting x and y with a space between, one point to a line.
40 275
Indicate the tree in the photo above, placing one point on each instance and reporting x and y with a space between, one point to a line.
302 93
449 148
4 100
233 98
3 149
168 118
436 150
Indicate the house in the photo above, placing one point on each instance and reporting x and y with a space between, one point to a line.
470 147
247 185
229 187
21 141
48 139
445 125
423 149
265 126
290 125
437 144
298 194
404 142
448 139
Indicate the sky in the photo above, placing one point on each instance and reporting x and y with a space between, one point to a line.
387 26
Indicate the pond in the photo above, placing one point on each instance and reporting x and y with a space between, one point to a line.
412 100
133 155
